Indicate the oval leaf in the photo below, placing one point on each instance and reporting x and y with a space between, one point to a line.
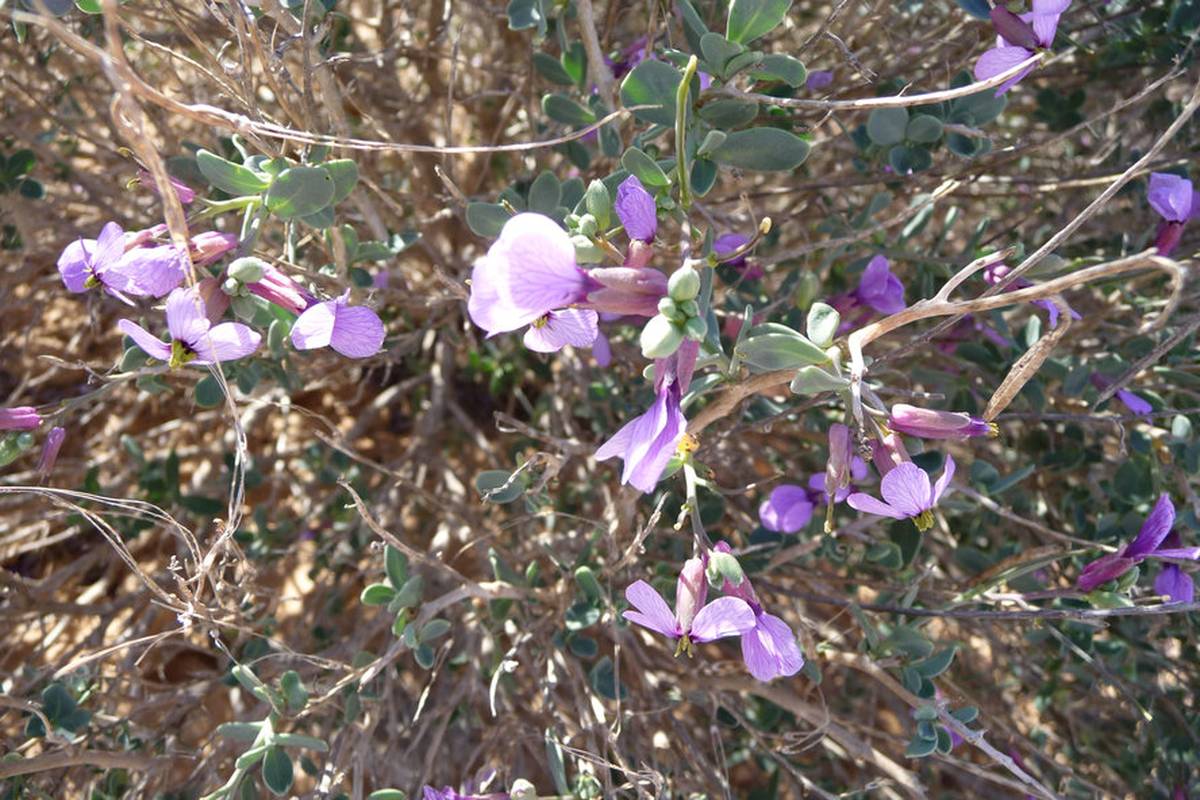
300 192
653 84
762 150
750 19
228 176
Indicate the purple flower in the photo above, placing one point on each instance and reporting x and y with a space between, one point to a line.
930 424
819 79
636 209
995 273
87 263
528 272
1176 202
888 452
353 331
787 510
1019 38
194 339
840 462
152 271
646 443
769 648
907 494
1153 541
728 243
1135 403
725 616
50 448
627 290
277 288
209 246
19 418
184 192
879 288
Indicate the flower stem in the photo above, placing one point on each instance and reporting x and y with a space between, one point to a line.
681 98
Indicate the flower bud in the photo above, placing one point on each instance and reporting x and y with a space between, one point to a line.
669 309
724 567
1167 239
931 424
19 418
50 449
209 246
691 590
690 308
587 225
522 789
586 251
599 202
888 452
684 284
660 337
695 329
247 269
837 468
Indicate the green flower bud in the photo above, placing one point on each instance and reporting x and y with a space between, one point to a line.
690 308
724 567
671 311
587 225
599 202
684 284
232 287
586 251
661 337
522 789
247 269
695 329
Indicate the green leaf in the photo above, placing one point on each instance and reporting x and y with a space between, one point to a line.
345 177
924 128
728 114
603 678
905 160
294 693
396 565
410 593
936 664
693 26
494 486
814 380
780 67
704 175
208 392
31 189
377 594
718 51
645 168
300 191
545 193
277 771
910 642
886 554
424 655
387 794
980 9
561 108
525 14
299 740
486 219
822 324
919 748
20 163
762 150
777 350
433 629
552 69
887 126
652 83
750 19
239 731
229 177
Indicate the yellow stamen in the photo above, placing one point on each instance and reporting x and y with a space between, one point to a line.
924 520
92 282
541 322
993 430
688 444
180 354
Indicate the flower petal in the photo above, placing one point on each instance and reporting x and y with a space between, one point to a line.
652 611
636 209
109 247
939 488
151 345
529 271
73 264
725 616
572 326
1154 529
314 328
906 489
152 271
228 341
870 505
1170 195
357 331
1045 26
779 640
186 319
1002 59
1176 584
1104 569
786 510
